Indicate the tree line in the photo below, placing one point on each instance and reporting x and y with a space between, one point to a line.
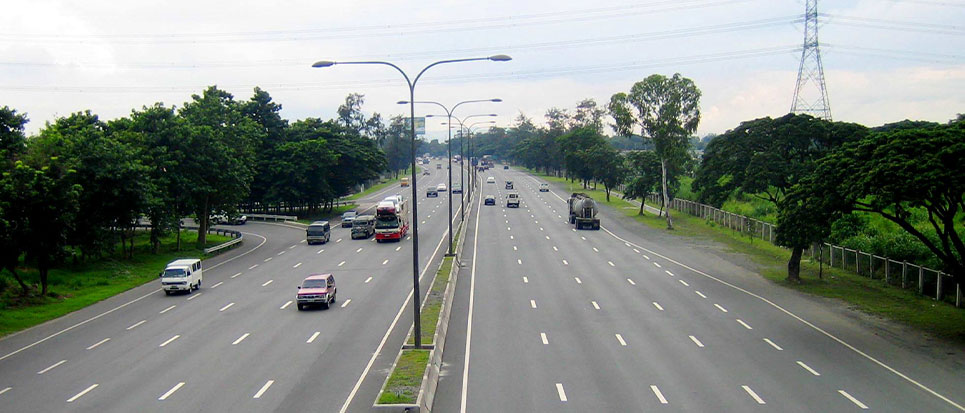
79 187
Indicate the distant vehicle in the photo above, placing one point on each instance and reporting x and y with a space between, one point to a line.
404 182
426 172
347 218
318 231
182 275
583 211
509 184
491 180
432 193
512 200
456 189
544 187
316 289
490 200
425 161
505 166
438 166
441 188
391 219
363 226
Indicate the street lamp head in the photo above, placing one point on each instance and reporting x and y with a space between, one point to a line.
492 114
500 58
323 63
403 102
496 100
432 116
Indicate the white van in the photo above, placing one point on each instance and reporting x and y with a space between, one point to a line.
182 275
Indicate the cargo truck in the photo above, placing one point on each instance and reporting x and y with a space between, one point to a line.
583 211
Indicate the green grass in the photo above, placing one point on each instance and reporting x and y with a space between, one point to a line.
73 287
403 385
433 304
325 216
861 293
372 189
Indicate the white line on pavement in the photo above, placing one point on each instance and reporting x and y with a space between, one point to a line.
341 263
320 251
684 283
226 307
697 342
514 248
368 279
280 253
578 280
636 250
346 302
263 389
525 280
267 282
657 264
611 263
532 303
253 267
338 240
657 393
269 258
595 250
167 309
668 272
293 246
98 343
297 265
700 294
136 324
240 339
313 337
853 400
2 391
583 238
51 367
233 276
777 347
79 395
744 324
559 389
595 305
631 281
720 308
176 336
385 262
217 284
398 248
555 249
658 306
170 392
285 305
620 339
754 395
542 336
808 368
511 237
565 263
194 296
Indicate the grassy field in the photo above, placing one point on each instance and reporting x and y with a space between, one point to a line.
73 287
864 294
338 211
403 385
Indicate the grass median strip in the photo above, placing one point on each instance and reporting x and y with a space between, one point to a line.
403 385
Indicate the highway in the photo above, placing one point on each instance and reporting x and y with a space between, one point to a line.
239 343
629 318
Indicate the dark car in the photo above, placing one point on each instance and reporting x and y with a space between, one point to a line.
347 218
509 184
432 193
363 226
456 189
490 200
505 166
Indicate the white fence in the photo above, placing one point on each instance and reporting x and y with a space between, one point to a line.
926 281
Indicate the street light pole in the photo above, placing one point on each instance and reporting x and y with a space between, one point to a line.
417 320
462 125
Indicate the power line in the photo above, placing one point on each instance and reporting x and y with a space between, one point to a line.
895 25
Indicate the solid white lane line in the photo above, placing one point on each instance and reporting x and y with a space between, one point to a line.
93 346
253 267
385 262
532 303
720 308
525 280
346 303
176 336
285 305
684 283
313 337
2 391
754 395
240 339
320 251
631 282
697 342
595 250
136 324
565 263
267 259
233 276
170 392
668 272
297 265
398 248
768 341
620 339
658 306
657 393
595 305
368 279
555 249
745 324
700 294
51 367
578 280
167 309
853 400
226 307
263 389
341 263
808 368
81 394
559 389
542 336
217 284
194 296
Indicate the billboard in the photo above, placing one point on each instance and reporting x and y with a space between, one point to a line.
420 125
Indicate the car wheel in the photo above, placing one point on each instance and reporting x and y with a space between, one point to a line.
167 292
300 307
333 298
325 306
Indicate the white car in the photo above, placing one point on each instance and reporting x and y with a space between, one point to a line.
441 187
491 180
544 187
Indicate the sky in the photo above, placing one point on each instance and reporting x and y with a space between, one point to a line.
884 60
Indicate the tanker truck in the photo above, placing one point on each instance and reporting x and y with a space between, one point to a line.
583 211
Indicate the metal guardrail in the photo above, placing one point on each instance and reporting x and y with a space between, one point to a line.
266 217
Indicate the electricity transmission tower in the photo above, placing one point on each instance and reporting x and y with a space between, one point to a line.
810 93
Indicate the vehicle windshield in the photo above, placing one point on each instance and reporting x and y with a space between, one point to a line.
359 223
313 284
349 214
318 230
175 272
386 222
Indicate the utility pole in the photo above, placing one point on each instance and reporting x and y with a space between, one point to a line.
810 93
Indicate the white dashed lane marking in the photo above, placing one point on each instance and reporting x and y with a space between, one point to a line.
81 394
595 305
346 302
176 336
170 392
226 307
631 282
267 282
720 308
744 324
658 306
578 281
313 337
753 394
240 339
52 367
217 284
656 392
263 389
136 324
620 339
700 294
525 280
559 389
93 346
167 309
284 306
532 303
776 347
696 341
542 336
853 400
808 368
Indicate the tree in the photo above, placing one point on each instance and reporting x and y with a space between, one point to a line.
13 142
588 115
266 113
667 112
643 170
609 167
574 147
